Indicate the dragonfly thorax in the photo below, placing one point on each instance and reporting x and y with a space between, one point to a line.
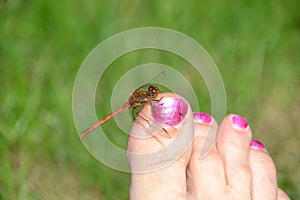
141 96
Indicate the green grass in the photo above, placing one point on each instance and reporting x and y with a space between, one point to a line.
42 44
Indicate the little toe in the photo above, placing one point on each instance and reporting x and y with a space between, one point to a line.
263 172
282 195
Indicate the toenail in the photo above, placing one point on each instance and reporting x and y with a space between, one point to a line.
254 144
169 111
202 117
239 123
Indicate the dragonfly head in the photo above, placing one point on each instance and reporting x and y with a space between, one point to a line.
153 91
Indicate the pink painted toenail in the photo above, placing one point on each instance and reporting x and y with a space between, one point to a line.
169 111
254 144
239 123
202 117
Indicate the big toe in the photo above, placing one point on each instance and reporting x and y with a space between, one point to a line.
159 149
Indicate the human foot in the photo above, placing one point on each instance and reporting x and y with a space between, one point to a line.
232 169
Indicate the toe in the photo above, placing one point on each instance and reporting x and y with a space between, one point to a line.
282 195
157 157
205 173
233 145
263 172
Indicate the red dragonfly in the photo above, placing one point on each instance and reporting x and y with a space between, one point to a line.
137 100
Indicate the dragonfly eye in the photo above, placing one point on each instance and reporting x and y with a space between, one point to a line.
154 91
151 87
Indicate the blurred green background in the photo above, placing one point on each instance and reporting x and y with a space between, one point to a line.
42 44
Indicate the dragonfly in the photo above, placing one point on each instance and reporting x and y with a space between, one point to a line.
136 102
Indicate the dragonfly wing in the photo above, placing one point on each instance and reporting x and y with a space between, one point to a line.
145 86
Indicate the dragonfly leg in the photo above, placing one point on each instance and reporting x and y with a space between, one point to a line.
138 115
158 100
167 135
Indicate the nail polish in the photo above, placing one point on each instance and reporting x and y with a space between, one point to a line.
169 111
201 117
239 123
254 144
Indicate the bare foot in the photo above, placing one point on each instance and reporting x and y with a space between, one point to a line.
182 162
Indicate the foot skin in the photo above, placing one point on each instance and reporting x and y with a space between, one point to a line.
237 167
